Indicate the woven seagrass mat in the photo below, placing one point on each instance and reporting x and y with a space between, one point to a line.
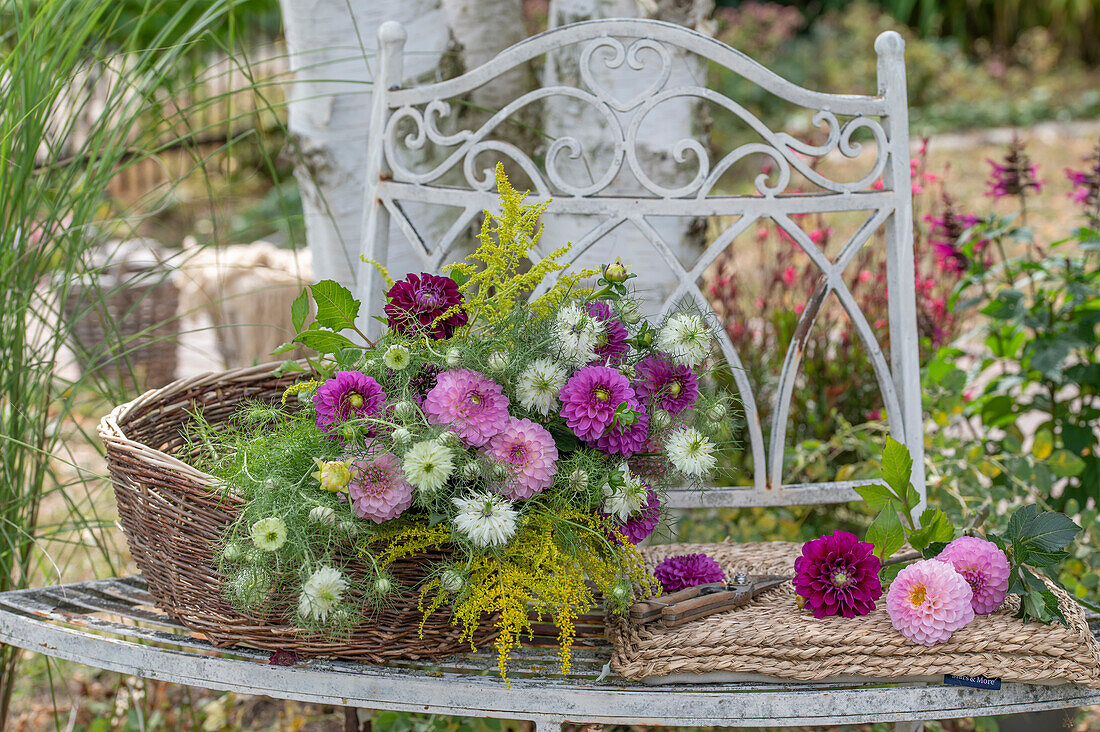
772 637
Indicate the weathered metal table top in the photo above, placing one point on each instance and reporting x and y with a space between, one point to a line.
112 624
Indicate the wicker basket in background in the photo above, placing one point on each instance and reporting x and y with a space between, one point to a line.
173 518
123 318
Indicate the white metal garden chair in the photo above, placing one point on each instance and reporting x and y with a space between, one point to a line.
110 623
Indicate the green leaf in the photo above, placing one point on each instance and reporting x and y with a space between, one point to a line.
286 366
336 308
1065 464
1040 559
460 278
564 440
285 348
934 527
933 549
323 341
1005 305
299 310
1051 531
877 495
885 532
1020 519
1047 356
897 466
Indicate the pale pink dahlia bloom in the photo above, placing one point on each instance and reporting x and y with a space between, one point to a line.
529 451
983 566
928 601
590 398
470 403
378 489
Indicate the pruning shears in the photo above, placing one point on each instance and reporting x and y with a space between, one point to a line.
692 603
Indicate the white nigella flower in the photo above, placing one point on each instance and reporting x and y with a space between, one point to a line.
686 338
486 519
690 451
539 386
626 497
396 357
269 533
577 334
321 593
428 464
322 515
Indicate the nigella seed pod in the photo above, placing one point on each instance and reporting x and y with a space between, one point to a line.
628 371
383 586
322 515
402 436
452 581
348 529
629 313
660 420
405 410
717 412
232 552
450 439
472 471
454 357
578 481
500 472
498 362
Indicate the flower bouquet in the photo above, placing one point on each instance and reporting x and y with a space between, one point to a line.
515 448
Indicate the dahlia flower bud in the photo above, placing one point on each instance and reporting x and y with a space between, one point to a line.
616 272
333 475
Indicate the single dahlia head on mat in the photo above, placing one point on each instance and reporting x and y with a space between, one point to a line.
688 570
928 601
837 574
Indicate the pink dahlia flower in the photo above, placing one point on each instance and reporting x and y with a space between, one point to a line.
529 451
838 575
378 489
928 601
612 347
676 573
415 304
470 403
590 398
642 524
983 566
666 385
348 395
626 441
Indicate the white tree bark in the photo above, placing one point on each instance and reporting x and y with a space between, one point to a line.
676 119
331 45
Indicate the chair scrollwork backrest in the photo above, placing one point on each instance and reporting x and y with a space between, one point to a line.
400 176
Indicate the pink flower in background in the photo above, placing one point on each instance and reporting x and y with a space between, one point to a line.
789 276
983 566
470 403
378 489
529 452
625 441
688 570
417 302
642 524
821 236
838 575
348 395
665 385
1014 175
612 347
928 601
590 398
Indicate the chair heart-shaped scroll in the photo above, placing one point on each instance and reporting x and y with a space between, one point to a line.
632 57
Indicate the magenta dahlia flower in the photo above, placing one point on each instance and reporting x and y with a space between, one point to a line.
626 441
378 489
838 575
640 525
928 601
666 385
529 451
348 395
612 346
983 566
590 398
470 403
416 303
688 570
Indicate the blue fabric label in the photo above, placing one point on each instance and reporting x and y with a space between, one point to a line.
976 682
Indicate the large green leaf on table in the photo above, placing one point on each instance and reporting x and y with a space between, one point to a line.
935 527
299 310
886 532
336 308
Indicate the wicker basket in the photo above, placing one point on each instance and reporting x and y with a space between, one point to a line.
173 520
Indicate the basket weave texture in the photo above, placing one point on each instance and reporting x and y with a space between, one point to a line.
174 516
772 637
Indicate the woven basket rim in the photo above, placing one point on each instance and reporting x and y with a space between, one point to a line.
110 427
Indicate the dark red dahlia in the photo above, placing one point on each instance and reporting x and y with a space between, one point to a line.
424 381
838 575
688 570
416 303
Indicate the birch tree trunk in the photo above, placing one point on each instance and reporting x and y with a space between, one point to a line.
676 119
331 45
